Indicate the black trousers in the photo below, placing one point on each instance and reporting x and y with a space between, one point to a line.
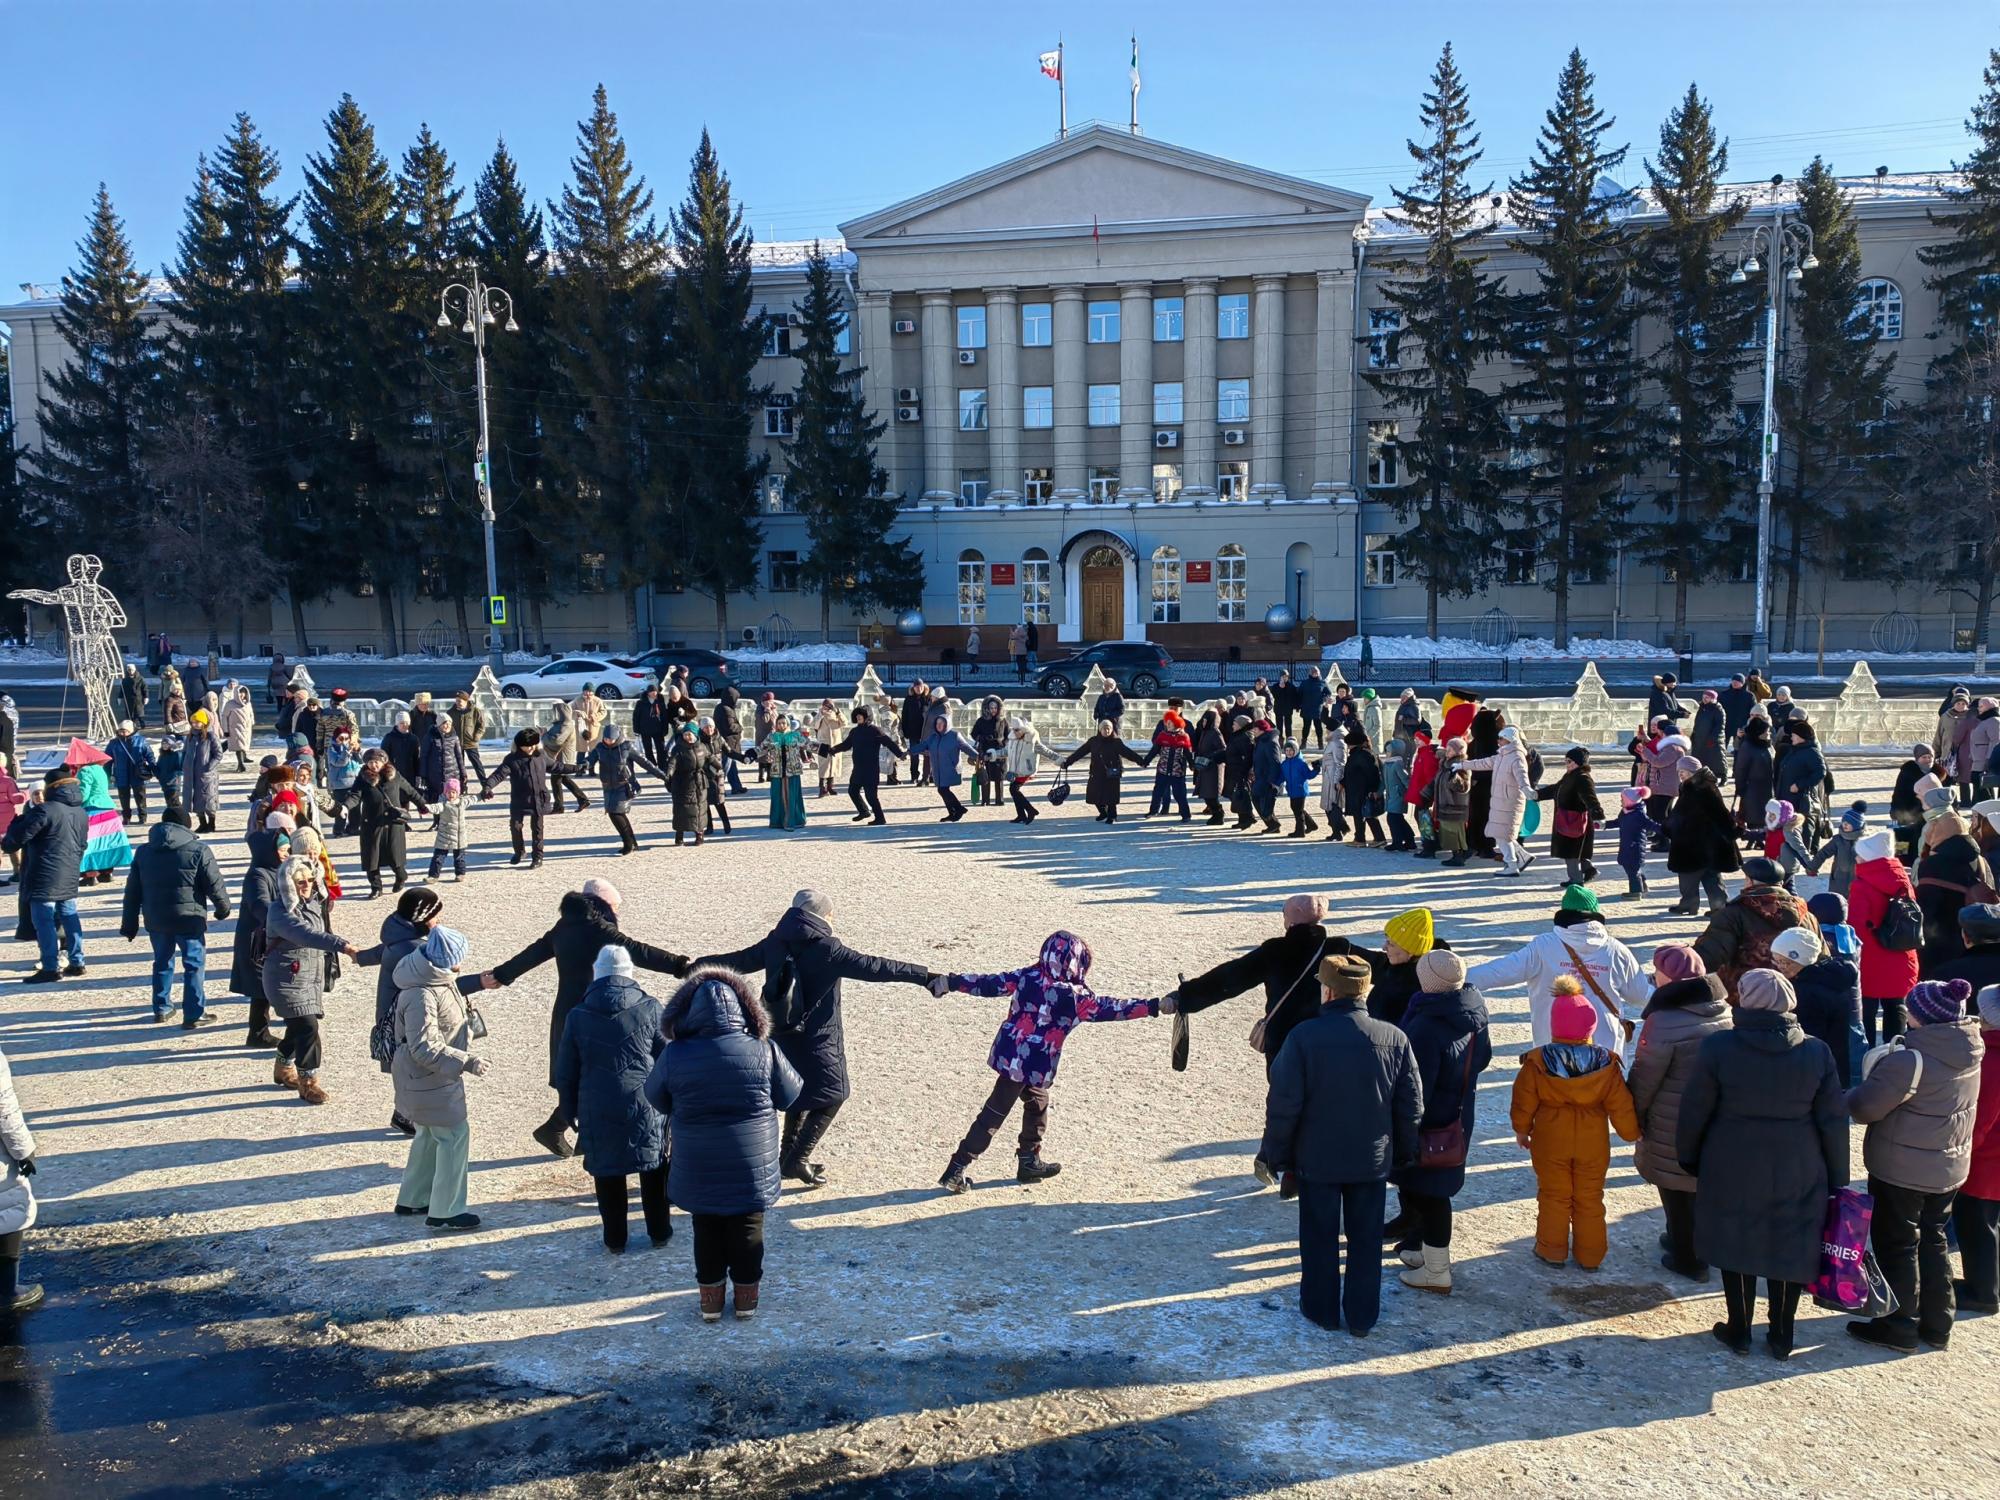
479 767
865 795
614 1201
1034 1102
131 797
1679 1206
299 1046
1739 1295
560 779
528 822
952 805
1893 1014
1312 728
622 821
1325 1210
1432 1216
1978 1224
656 748
728 1247
1908 1238
718 808
10 1266
1022 805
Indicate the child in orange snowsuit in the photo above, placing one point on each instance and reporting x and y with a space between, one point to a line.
1564 1096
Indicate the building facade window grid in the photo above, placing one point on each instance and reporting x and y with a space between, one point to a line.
1038 325
1166 482
1378 565
1169 325
1232 400
1232 316
1232 585
974 485
971 588
1038 485
1103 325
972 327
1167 402
1880 302
1232 479
1385 326
1104 406
1103 485
1382 465
778 420
783 568
1036 591
1166 586
1038 406
972 410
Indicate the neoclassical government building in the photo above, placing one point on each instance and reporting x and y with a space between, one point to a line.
1125 391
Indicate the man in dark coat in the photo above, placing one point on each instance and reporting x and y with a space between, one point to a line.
803 964
1285 702
587 923
1266 775
1708 735
173 882
50 838
1342 1113
130 696
916 705
649 723
1736 702
1288 968
260 889
1238 753
1110 704
863 747
1312 708
443 760
405 750
1107 754
1661 702
729 725
1738 937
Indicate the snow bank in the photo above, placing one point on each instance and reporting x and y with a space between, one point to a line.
834 651
1458 648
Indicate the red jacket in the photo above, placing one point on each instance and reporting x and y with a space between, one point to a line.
1985 1179
1885 973
1423 771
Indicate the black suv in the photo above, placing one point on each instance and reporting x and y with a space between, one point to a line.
1139 667
707 671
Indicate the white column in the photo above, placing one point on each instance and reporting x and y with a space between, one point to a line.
1071 400
1135 390
1198 390
1267 389
940 333
1003 393
874 350
1334 355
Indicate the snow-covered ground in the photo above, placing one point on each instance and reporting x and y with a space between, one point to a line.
817 651
1134 1316
1459 648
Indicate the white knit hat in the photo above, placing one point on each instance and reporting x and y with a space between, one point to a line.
612 960
1877 845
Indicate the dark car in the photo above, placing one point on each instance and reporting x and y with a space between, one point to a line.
707 670
1140 667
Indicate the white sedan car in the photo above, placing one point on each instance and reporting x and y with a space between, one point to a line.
571 675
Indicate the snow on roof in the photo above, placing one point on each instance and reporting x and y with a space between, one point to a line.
1914 188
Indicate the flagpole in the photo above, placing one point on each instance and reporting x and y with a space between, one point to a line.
1062 89
1135 85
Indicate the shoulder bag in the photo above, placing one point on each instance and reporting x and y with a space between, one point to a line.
1445 1145
1257 1031
1611 1007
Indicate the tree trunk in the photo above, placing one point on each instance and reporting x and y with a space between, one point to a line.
1982 623
632 619
239 631
721 620
385 605
541 635
826 614
213 619
1430 611
1562 584
464 626
1794 582
299 641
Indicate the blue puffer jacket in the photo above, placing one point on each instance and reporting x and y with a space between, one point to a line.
1297 774
609 1045
717 1082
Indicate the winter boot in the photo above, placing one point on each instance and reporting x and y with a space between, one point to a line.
1457 861
711 1301
1031 1168
1434 1275
746 1301
284 1075
261 1037
793 1163
15 1298
310 1092
552 1138
954 1179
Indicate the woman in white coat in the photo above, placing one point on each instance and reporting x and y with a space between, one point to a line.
238 722
17 1198
1511 791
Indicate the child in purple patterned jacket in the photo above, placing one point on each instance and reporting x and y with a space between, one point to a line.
1048 1002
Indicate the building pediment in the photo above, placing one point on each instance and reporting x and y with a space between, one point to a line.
1110 178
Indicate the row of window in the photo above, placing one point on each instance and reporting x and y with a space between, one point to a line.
1229 572
1038 485
1102 321
1104 404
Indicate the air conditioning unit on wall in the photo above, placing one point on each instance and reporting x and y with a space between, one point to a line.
906 325
1166 438
909 395
1233 437
968 356
909 414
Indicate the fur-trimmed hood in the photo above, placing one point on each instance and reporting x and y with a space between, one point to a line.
711 1002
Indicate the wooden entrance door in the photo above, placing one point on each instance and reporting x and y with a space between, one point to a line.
1103 595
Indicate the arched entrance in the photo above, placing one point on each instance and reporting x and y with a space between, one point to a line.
1103 594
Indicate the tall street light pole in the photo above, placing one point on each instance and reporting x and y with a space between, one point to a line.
478 301
1787 248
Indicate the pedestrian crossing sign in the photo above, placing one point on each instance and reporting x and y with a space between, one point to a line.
496 609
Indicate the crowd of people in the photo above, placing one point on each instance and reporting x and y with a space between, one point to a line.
1734 1062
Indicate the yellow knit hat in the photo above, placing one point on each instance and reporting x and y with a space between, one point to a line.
1411 931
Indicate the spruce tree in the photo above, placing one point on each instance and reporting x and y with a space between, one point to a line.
715 344
1446 306
354 272
1832 391
832 477
1573 334
1704 325
1955 461
437 459
608 443
511 250
101 401
231 344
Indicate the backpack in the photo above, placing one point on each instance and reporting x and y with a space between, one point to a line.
1901 929
781 996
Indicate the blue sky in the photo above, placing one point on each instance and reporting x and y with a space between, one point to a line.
825 111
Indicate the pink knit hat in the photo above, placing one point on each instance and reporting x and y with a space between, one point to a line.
1676 961
1572 1018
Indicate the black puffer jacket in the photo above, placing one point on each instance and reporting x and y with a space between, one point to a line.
405 752
526 773
719 1082
609 1046
1700 833
585 926
1946 876
1763 1131
174 882
444 758
1344 1100
1287 966
399 938
866 743
1447 1034
51 836
260 889
811 1036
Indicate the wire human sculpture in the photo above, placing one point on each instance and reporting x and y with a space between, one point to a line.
91 612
